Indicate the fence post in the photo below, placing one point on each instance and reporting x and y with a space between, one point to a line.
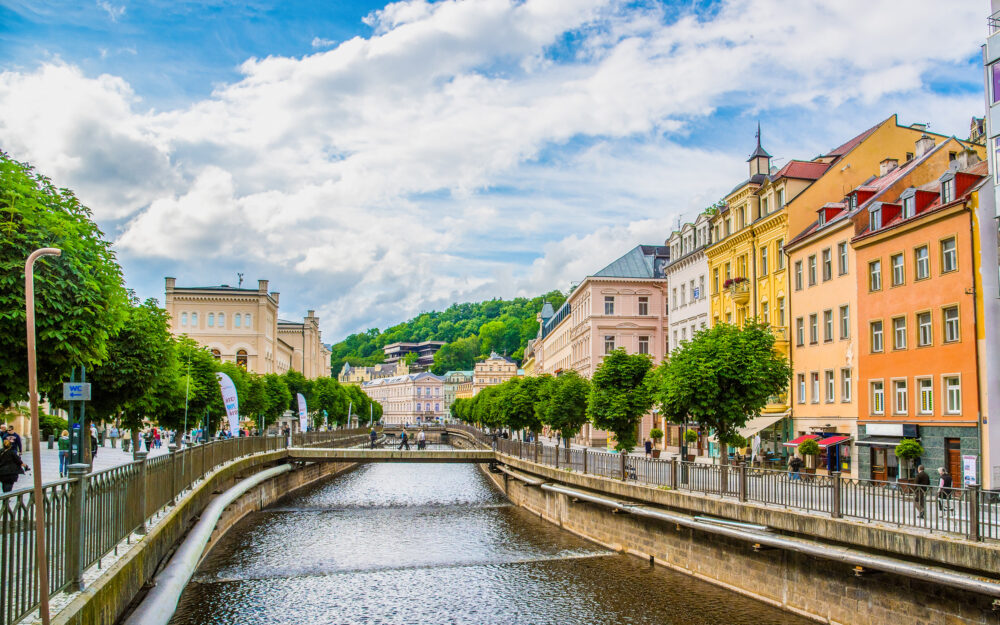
75 530
835 506
742 486
536 451
973 512
172 448
673 473
622 454
557 455
584 459
140 457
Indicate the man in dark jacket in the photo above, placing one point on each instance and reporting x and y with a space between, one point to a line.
944 490
920 494
11 466
15 439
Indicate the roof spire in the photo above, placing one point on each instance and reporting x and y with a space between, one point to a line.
758 134
759 151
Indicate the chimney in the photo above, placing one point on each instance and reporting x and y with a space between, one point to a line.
170 284
274 295
310 313
966 159
887 165
924 145
262 286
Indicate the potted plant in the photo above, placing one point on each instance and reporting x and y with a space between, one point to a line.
690 436
908 450
656 434
809 449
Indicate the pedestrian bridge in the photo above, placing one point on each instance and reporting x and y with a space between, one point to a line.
320 454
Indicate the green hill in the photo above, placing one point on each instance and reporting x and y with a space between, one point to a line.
472 331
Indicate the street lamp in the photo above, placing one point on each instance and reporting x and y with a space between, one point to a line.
36 452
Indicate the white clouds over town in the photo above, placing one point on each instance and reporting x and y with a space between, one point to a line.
470 149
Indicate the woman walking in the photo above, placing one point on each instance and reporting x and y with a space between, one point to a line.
11 466
64 454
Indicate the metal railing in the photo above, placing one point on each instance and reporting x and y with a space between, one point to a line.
90 515
966 511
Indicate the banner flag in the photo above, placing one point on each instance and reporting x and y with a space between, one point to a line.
231 401
302 412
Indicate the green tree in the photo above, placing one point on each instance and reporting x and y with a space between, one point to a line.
80 302
515 402
564 408
298 383
197 382
410 358
721 378
459 355
620 396
279 397
485 409
331 397
254 405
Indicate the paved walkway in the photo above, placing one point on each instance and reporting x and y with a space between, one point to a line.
106 458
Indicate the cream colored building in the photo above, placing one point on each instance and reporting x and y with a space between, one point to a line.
494 370
242 326
357 375
413 398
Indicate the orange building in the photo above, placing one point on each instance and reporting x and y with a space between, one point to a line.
917 323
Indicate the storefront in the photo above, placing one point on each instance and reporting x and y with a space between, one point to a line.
834 451
880 440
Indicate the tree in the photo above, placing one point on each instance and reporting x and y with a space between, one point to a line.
241 380
254 405
620 395
410 358
278 397
459 355
197 381
80 302
564 403
297 383
721 378
515 404
485 408
330 396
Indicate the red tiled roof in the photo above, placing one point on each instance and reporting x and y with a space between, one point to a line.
804 170
980 169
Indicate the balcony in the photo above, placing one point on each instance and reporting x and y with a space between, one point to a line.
739 290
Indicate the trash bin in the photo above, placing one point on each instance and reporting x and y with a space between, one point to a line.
52 441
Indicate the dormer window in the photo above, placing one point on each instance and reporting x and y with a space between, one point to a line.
947 190
909 199
875 218
822 217
852 201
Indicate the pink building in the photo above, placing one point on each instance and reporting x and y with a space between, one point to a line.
622 305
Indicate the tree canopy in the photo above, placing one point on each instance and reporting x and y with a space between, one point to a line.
620 395
564 403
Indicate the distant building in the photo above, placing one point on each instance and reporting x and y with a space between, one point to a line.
425 353
413 398
242 326
455 381
358 375
494 370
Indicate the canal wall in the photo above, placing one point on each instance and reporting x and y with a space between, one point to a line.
825 590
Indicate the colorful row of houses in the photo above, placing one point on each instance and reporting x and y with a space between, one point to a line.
865 261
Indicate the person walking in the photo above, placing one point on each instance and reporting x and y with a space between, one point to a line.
648 444
148 437
93 445
373 435
920 494
944 491
404 441
11 466
115 435
794 466
64 453
422 440
15 439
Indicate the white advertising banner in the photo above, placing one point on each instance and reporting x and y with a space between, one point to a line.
302 412
968 470
231 401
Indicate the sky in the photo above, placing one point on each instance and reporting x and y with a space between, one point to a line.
373 161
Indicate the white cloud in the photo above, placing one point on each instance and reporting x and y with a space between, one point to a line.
319 42
114 12
455 154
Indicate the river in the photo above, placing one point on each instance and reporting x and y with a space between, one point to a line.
435 543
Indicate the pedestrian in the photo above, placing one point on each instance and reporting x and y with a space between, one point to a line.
156 437
148 437
648 444
373 435
93 445
11 466
115 435
421 440
15 439
920 494
64 453
944 490
403 441
794 466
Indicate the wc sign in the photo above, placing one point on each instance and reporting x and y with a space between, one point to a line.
76 391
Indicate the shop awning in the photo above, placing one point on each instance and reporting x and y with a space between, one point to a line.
831 441
804 437
759 423
880 441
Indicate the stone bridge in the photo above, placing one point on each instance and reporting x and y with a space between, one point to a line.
355 455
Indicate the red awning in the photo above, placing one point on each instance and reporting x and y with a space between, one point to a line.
831 441
804 437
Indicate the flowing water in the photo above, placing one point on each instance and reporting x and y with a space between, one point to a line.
435 543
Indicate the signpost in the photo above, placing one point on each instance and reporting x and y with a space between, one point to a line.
77 394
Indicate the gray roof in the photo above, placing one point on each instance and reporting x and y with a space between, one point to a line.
639 262
547 310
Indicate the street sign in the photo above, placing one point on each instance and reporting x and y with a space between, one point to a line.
76 391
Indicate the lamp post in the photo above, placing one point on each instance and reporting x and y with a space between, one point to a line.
36 453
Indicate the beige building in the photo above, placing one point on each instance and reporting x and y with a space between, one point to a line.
494 370
413 398
242 326
455 382
358 375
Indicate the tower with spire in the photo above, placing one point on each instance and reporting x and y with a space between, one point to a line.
760 160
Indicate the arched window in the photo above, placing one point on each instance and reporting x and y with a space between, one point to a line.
184 319
211 320
216 353
236 320
246 319
194 319
222 320
241 358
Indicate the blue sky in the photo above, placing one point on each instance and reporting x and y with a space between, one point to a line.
375 160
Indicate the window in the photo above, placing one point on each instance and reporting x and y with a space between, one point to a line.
949 256
898 269
683 294
876 336
827 265
674 291
222 320
900 396
842 258
609 305
184 319
643 344
875 275
947 190
827 325
925 387
899 333
715 280
812 270
925 334
878 398
845 384
922 262
194 319
743 217
781 312
780 248
237 319
800 330
909 206
609 344
437 407
701 288
831 386
643 306
676 340
684 334
951 324
763 261
241 358
798 275
211 320
875 219
246 320
765 313
814 384
729 271
953 394
802 388
813 328
781 199
845 322
216 354
763 206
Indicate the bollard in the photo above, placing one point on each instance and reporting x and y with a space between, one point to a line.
742 475
172 450
835 505
536 451
140 457
75 530
973 512
673 473
52 441
557 455
622 454
584 459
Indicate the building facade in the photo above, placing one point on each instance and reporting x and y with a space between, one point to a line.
492 371
687 278
358 374
415 398
310 356
424 353
454 382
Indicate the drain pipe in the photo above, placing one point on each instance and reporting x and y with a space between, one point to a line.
161 602
846 555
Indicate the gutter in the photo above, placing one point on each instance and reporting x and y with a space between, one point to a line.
161 602
858 559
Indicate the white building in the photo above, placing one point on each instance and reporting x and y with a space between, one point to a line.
412 398
687 276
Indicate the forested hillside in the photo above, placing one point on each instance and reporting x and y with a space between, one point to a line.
472 331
